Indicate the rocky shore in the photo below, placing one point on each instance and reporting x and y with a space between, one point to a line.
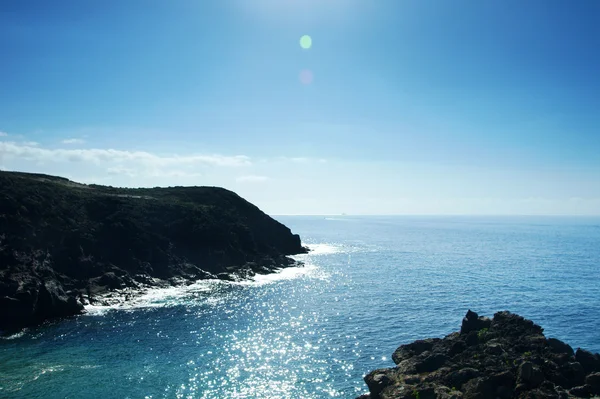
504 357
64 245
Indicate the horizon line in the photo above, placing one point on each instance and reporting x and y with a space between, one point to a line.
436 214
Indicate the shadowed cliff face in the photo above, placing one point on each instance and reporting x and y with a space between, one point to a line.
62 242
504 357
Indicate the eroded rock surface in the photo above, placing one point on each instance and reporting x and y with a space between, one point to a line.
504 357
64 244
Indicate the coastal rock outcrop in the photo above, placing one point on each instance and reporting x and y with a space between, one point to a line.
504 357
64 244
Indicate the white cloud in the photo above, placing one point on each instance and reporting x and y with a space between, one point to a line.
174 173
122 171
299 159
132 172
2 134
73 141
303 160
251 179
101 156
121 167
30 143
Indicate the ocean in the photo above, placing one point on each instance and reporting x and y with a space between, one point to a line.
369 285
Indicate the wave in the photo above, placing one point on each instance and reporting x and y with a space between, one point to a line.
155 297
16 335
50 369
175 296
178 295
290 273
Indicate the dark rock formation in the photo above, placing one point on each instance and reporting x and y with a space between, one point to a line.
504 357
62 243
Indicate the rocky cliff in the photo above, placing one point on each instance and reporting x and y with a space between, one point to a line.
504 357
63 243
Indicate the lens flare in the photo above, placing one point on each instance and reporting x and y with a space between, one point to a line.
306 76
306 42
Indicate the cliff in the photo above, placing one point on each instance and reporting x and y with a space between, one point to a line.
504 357
63 243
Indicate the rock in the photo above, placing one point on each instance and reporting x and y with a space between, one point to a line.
530 375
471 339
457 347
109 280
443 392
504 392
558 346
458 378
593 380
479 388
494 349
204 275
413 349
574 374
431 363
144 279
424 392
504 378
226 277
589 361
515 326
511 359
15 312
412 379
52 302
377 381
472 322
245 273
583 391
407 367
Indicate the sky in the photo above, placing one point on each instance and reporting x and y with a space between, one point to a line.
397 107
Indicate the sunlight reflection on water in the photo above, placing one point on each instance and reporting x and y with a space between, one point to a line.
312 332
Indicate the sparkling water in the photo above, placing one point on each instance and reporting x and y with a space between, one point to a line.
369 285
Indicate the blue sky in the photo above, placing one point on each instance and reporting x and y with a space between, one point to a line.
416 107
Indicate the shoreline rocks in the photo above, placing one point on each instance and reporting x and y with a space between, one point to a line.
504 357
142 284
64 245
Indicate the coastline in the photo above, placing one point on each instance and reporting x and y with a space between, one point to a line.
65 245
106 298
123 296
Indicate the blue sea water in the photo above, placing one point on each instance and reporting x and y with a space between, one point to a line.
370 284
